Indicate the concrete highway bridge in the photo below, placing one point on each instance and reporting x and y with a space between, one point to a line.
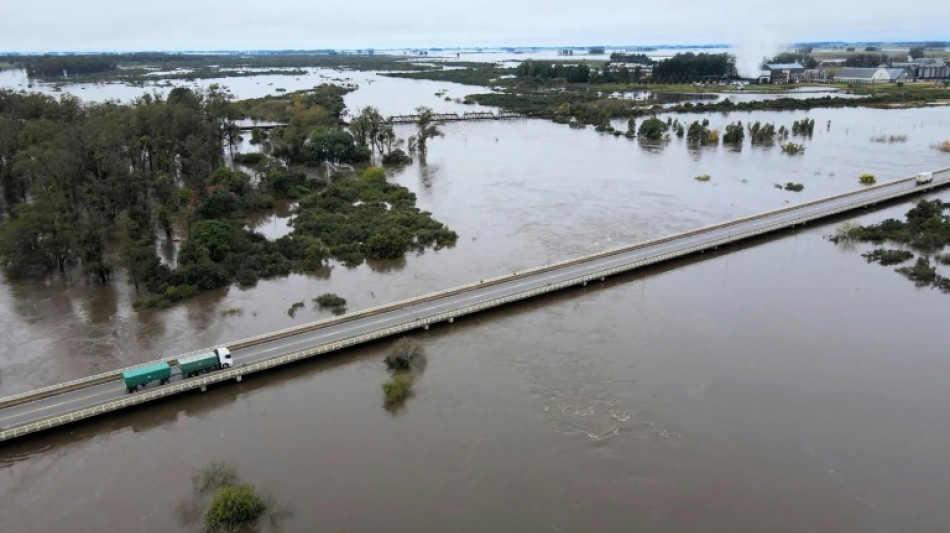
60 404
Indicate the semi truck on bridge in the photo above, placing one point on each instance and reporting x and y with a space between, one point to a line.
190 366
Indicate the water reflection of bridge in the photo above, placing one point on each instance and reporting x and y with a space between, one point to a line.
455 117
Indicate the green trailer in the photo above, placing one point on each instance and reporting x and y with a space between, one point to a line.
196 364
143 375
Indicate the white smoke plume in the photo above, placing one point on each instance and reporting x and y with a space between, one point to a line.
754 45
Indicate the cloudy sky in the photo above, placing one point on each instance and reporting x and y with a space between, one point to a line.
109 25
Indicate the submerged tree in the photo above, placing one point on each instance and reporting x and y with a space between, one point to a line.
425 128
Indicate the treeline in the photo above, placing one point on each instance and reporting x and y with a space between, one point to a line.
93 65
687 67
583 107
50 66
624 57
867 60
802 58
70 172
93 186
681 68
546 70
74 176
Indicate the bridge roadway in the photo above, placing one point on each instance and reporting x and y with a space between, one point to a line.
31 412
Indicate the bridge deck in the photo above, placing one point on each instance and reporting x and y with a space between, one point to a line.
83 398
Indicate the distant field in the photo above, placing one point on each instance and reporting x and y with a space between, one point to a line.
823 54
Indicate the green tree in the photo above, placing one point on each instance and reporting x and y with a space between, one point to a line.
652 128
425 128
215 236
371 130
335 146
734 133
916 52
388 243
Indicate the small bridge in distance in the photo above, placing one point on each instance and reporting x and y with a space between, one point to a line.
455 117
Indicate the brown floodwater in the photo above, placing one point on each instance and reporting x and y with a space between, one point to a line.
782 386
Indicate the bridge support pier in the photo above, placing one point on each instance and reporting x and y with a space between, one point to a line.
602 278
451 319
204 388
426 327
584 284
239 379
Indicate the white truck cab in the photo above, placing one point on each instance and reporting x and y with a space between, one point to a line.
924 177
224 357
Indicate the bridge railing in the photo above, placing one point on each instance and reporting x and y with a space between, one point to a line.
114 375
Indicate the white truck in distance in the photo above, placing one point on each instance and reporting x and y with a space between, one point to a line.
924 177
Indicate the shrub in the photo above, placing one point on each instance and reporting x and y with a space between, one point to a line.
944 146
847 230
232 506
887 257
246 278
734 133
793 148
397 389
796 187
396 157
803 127
703 177
867 179
652 128
336 304
293 309
374 173
405 354
922 274
248 159
762 134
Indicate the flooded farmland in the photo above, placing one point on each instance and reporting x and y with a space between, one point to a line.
786 385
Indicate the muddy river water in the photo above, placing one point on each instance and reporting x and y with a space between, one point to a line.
785 385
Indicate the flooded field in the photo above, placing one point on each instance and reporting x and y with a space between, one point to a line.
781 386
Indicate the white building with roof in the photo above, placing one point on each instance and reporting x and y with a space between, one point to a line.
872 75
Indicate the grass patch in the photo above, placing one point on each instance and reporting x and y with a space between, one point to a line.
889 139
233 506
703 177
943 147
232 311
867 179
794 187
216 474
